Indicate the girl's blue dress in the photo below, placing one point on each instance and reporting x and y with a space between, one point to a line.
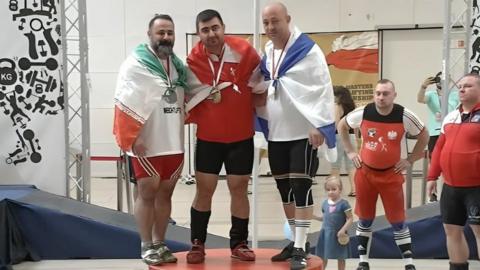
334 218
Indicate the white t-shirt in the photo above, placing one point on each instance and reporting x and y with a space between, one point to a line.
411 122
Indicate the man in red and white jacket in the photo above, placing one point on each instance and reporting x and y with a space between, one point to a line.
457 158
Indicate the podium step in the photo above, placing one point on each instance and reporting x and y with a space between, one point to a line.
219 259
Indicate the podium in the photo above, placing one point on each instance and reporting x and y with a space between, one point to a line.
219 259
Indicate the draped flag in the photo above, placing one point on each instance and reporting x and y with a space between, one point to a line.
137 93
304 76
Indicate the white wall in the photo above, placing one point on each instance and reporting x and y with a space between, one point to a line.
116 26
410 56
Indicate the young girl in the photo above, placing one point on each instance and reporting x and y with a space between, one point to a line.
337 218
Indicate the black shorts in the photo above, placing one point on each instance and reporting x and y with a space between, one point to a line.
237 156
292 159
460 205
431 144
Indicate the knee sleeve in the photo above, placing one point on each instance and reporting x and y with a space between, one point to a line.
302 191
400 226
365 223
285 190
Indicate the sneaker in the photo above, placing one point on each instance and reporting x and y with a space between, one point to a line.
410 267
164 253
150 256
187 180
285 254
243 252
196 253
363 266
299 259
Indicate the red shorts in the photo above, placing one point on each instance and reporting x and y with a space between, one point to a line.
166 167
388 184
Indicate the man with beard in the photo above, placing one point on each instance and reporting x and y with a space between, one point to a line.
221 105
148 125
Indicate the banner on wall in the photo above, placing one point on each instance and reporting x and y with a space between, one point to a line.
353 61
352 58
32 129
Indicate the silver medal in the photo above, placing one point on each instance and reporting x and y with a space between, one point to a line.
170 96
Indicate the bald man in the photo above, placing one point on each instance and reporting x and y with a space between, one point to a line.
297 118
457 158
379 164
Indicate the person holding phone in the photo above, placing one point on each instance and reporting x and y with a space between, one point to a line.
433 100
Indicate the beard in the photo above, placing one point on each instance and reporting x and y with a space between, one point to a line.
163 47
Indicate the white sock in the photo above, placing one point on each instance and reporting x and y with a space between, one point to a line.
291 223
301 229
364 236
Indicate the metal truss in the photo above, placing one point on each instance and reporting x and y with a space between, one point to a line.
456 45
76 85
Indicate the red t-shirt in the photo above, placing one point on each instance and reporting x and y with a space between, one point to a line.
382 134
231 119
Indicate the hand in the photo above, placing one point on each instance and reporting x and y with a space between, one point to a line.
402 165
355 158
428 81
431 188
315 138
139 149
341 233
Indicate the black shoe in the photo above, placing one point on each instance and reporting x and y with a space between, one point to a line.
285 254
299 259
458 266
307 248
410 267
363 266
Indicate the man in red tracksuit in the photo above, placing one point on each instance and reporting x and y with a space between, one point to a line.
457 158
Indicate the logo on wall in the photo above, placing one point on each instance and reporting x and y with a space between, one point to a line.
475 39
30 84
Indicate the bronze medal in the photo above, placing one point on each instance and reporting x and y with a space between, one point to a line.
216 97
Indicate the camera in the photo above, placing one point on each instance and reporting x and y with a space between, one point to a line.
438 77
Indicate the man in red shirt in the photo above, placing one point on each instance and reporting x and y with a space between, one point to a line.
383 125
221 79
457 157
